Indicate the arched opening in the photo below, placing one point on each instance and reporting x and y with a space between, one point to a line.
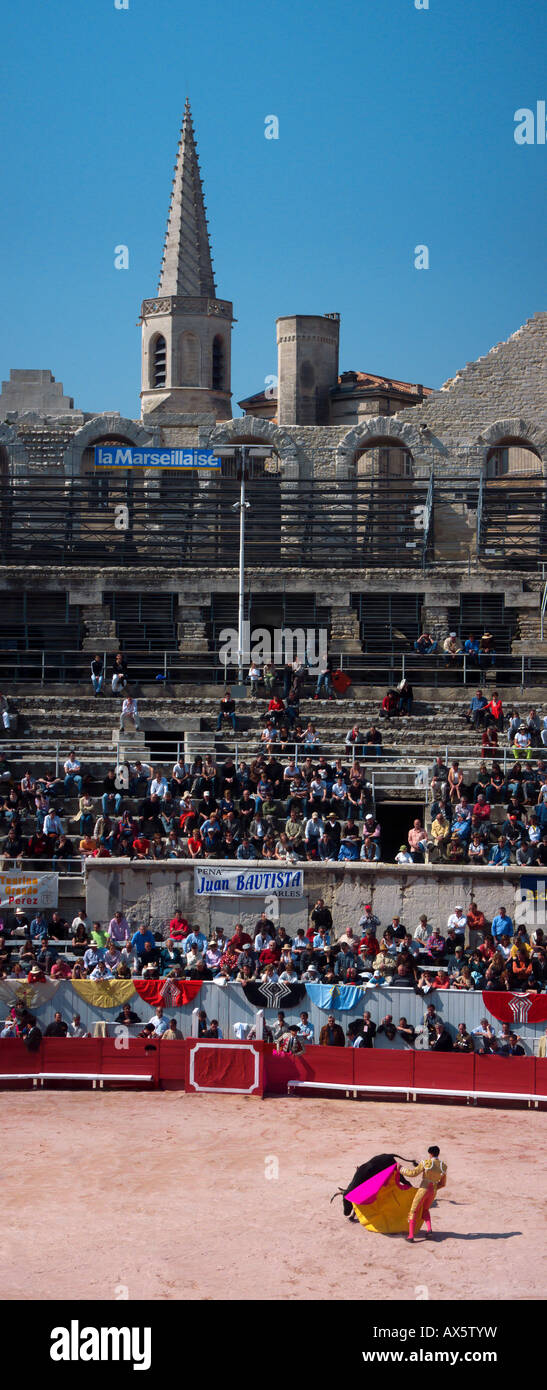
513 458
384 459
386 505
189 360
218 368
263 471
103 485
159 361
104 499
514 515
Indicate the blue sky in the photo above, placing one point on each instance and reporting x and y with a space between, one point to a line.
396 128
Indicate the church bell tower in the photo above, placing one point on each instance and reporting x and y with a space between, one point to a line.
186 329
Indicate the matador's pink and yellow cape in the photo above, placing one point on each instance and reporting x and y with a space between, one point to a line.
383 1202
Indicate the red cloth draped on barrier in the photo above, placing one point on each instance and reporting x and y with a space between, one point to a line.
225 1066
516 1008
171 993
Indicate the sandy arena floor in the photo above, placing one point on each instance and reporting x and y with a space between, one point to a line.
168 1196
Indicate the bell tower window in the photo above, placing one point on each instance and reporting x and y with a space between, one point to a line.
218 365
159 362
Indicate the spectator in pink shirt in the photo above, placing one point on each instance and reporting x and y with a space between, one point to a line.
417 842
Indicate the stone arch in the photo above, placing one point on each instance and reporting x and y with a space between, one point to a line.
514 513
250 430
383 429
516 432
106 427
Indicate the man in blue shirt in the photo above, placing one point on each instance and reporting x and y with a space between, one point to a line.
38 927
140 938
502 925
197 939
471 649
245 849
92 957
477 707
348 850
500 853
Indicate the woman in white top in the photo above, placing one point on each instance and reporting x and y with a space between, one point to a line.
255 675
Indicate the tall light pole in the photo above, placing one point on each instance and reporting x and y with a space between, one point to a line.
242 506
241 604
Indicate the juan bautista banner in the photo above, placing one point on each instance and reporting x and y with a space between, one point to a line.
29 890
237 883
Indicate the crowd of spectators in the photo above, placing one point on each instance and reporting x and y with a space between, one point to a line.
489 817
289 803
469 954
263 809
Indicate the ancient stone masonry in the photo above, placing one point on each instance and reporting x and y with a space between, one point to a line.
506 387
413 515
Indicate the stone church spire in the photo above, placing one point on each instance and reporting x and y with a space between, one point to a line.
186 330
186 267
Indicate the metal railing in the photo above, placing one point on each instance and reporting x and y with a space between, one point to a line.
45 666
66 868
173 521
52 754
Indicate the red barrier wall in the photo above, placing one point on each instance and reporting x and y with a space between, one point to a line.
540 1086
173 1065
505 1074
98 1055
445 1071
449 1071
373 1067
254 1069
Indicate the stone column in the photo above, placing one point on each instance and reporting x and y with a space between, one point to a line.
527 640
98 627
192 629
344 625
435 616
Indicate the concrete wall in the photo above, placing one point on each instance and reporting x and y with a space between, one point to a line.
150 893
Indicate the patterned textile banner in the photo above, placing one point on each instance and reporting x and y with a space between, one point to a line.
32 996
233 883
28 889
335 997
516 1008
274 996
104 994
172 993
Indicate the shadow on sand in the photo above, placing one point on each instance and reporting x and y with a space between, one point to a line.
439 1236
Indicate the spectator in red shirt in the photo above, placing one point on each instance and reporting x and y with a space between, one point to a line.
496 710
178 927
270 955
240 938
276 708
389 705
476 919
481 809
141 847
